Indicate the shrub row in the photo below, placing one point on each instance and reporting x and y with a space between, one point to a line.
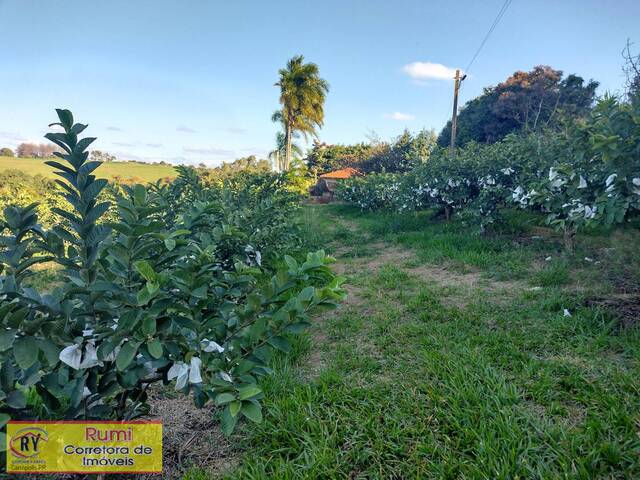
585 175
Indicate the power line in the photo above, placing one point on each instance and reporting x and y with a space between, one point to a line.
501 13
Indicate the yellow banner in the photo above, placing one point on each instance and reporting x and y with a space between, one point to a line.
84 447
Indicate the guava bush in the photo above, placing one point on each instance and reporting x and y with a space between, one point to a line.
598 181
183 287
586 175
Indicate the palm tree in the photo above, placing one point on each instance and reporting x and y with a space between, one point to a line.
302 95
278 155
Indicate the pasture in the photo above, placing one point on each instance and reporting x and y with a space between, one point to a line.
111 171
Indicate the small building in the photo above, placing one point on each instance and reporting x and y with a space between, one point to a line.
326 184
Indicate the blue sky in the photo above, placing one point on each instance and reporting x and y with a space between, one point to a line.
192 81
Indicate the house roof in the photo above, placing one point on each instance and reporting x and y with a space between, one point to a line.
343 173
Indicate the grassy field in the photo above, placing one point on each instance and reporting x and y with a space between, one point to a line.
112 170
459 356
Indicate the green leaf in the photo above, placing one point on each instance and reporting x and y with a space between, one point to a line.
66 117
228 422
77 392
155 348
234 408
306 294
3 441
16 399
6 339
280 343
297 327
249 391
7 376
200 292
291 262
4 418
252 411
50 350
224 398
145 295
170 243
145 269
149 325
126 355
25 351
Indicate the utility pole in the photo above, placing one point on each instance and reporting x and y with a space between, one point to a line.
454 116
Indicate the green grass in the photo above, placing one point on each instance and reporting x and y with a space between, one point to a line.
419 379
125 170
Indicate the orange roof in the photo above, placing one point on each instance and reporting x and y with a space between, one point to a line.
343 173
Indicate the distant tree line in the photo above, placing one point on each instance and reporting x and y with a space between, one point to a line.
39 150
399 155
227 170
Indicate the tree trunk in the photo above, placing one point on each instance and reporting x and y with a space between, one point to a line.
287 159
569 239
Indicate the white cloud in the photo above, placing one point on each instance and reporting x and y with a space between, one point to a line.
399 116
428 70
12 138
210 151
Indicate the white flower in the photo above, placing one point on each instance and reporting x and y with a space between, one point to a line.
210 346
226 377
610 179
548 259
636 181
589 212
583 182
587 259
567 313
507 171
552 174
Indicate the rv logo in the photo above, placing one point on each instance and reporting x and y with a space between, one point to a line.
27 442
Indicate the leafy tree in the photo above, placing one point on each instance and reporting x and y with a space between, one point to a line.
406 152
526 101
41 150
227 170
324 158
302 96
6 152
631 69
100 156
